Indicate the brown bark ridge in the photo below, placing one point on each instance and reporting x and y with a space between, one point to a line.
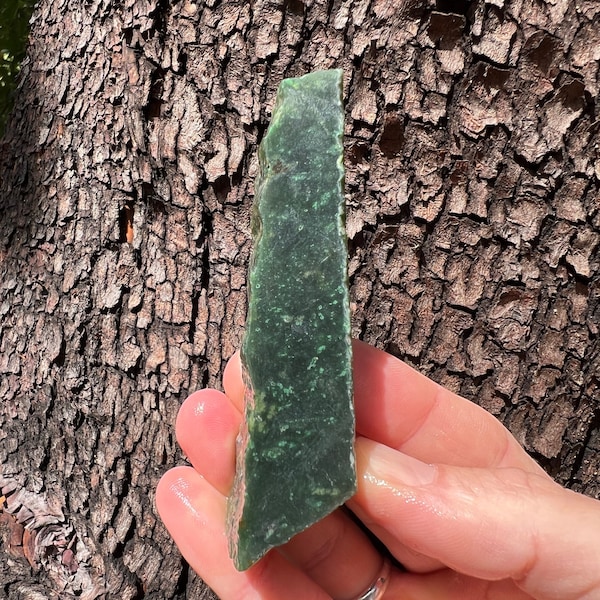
472 151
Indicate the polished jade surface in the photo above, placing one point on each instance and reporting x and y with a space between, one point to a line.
295 455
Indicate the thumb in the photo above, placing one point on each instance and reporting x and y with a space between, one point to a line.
492 524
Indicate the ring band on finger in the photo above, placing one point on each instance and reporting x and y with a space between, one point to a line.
378 587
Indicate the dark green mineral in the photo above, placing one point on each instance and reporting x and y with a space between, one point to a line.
295 460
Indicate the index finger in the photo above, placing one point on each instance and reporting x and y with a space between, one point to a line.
401 408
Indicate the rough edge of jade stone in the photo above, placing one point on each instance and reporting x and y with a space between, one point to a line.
235 504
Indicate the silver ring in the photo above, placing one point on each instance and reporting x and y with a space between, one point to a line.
377 589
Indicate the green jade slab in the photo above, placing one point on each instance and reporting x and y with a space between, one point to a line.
295 455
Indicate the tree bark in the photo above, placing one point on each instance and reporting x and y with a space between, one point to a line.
126 180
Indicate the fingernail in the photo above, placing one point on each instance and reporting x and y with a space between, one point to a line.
391 465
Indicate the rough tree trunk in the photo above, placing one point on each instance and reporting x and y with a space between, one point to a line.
126 178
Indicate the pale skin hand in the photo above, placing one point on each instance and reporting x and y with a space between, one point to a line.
442 484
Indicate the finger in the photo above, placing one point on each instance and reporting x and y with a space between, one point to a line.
411 560
233 383
337 554
206 429
194 513
401 408
491 524
450 585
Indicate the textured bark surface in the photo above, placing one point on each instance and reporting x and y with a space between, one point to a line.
126 178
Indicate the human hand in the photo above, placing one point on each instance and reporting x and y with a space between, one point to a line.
444 486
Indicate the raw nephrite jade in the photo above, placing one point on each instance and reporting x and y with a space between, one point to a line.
295 461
